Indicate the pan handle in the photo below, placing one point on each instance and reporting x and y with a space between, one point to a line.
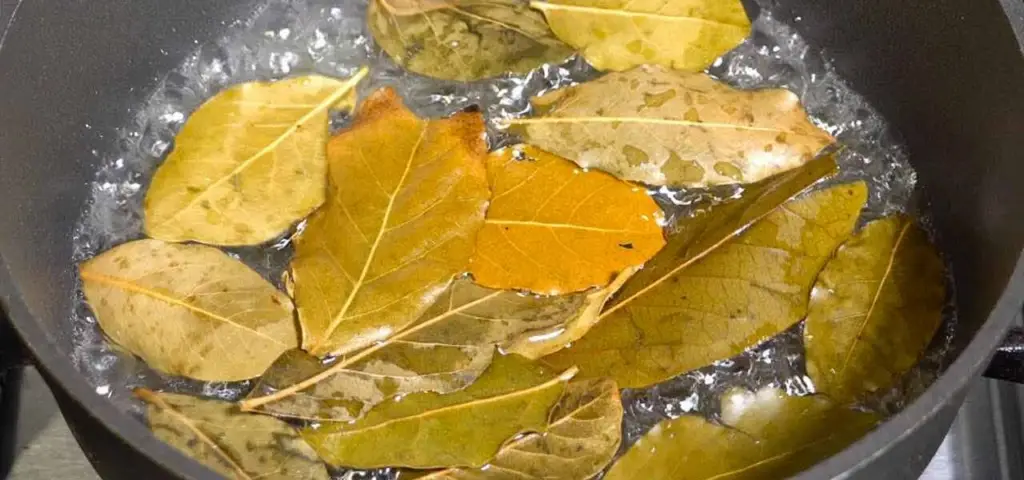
1008 362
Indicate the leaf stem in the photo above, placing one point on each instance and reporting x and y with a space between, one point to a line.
251 404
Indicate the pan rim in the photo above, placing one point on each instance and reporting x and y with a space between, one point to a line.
954 380
57 366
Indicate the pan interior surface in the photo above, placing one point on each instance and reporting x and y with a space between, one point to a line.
965 167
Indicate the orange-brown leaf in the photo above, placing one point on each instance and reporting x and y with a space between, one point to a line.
555 228
406 199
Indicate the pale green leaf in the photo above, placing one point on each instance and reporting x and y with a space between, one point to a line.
874 309
429 430
189 310
248 163
464 39
234 444
767 435
661 127
621 34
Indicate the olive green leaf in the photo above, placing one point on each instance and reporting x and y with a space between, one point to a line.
465 39
410 7
583 437
234 444
767 435
874 309
661 127
406 199
733 278
443 352
189 310
460 429
248 163
621 34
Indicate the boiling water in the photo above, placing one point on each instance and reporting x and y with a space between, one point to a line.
330 37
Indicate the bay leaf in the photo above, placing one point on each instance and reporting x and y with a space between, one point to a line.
248 163
874 309
621 34
766 435
233 444
723 285
431 430
189 310
661 127
411 7
464 39
552 228
406 198
582 438
444 351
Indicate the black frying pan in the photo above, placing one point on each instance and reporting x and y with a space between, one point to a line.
948 74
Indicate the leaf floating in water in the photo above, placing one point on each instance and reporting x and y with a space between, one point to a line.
733 278
464 428
621 34
874 310
406 199
248 163
552 228
233 444
583 437
464 39
411 7
189 309
661 127
767 435
443 352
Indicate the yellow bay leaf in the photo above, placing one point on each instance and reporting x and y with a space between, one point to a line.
731 279
189 310
874 309
443 352
583 436
766 435
411 7
430 430
552 228
660 127
234 444
248 163
621 34
406 198
464 39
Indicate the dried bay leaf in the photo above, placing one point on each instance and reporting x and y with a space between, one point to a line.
552 228
464 39
582 438
464 428
248 163
767 435
660 127
406 198
874 309
410 7
189 310
732 279
233 444
443 352
621 34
